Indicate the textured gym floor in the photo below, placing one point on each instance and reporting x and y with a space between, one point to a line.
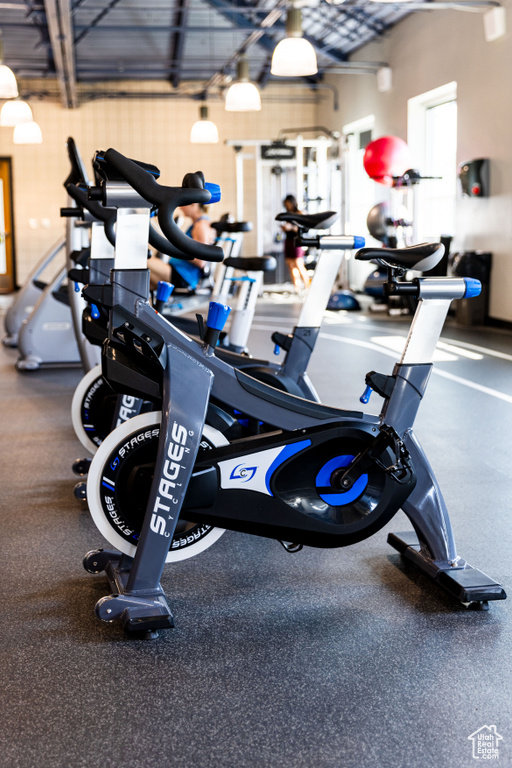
322 659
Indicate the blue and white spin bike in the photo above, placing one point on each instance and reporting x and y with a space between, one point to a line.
165 485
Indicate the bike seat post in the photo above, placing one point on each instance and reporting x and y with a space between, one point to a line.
412 371
308 325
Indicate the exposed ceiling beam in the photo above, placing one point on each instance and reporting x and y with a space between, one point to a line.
58 18
176 56
259 35
94 23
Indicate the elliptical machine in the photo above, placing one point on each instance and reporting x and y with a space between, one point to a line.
41 321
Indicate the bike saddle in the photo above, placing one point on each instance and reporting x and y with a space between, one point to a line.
231 226
251 263
322 220
420 257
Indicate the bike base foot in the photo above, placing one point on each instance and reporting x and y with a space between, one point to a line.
466 584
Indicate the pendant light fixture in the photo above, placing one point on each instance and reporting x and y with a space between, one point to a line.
27 133
204 131
294 56
15 112
242 96
8 85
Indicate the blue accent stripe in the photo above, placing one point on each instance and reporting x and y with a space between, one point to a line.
288 450
323 479
108 483
346 497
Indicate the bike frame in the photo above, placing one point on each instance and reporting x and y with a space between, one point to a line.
192 374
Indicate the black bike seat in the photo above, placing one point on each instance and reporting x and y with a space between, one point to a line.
322 220
251 263
421 257
231 226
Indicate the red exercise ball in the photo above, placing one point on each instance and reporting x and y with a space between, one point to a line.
386 157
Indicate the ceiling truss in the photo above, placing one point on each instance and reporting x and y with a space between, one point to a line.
185 43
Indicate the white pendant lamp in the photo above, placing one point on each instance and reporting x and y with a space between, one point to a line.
15 112
204 131
27 133
242 96
294 56
8 85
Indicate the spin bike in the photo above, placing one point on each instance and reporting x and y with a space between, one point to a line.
163 486
95 410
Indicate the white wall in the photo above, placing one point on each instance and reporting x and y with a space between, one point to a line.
427 50
153 130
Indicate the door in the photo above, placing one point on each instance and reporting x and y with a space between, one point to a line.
7 254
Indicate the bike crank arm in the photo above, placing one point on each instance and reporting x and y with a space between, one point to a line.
345 477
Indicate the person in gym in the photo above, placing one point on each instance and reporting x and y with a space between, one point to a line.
294 255
185 274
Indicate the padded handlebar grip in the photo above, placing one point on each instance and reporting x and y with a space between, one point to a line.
167 199
106 215
142 181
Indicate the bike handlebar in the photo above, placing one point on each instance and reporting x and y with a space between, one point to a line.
167 199
162 244
108 216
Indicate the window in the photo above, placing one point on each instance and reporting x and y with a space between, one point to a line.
360 193
359 189
432 138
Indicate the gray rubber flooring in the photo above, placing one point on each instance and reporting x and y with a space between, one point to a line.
341 658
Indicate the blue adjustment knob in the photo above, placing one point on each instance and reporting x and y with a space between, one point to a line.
365 397
277 349
164 291
473 287
359 242
95 312
217 315
214 190
77 287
